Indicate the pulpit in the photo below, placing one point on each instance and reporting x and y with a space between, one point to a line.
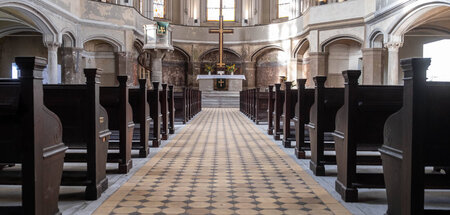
220 82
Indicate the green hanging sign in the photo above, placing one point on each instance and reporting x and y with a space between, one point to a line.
162 28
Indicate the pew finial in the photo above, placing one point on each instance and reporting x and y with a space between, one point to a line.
142 83
92 75
156 85
301 83
415 68
351 76
31 67
320 81
288 85
122 79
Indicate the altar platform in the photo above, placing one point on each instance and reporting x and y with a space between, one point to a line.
220 91
231 83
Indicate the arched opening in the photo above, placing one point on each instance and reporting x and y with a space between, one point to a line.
101 54
429 36
22 33
212 57
303 63
175 69
343 54
271 67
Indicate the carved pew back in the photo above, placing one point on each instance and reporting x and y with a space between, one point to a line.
115 101
290 100
416 137
155 114
305 99
31 135
141 117
85 126
359 127
327 102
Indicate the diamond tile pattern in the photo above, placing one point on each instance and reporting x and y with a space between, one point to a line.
221 163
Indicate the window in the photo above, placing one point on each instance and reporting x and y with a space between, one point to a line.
228 11
159 9
15 71
283 8
438 52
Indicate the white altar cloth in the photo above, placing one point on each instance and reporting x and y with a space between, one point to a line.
234 77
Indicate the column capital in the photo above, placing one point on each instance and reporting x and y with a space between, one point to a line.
158 53
393 46
52 46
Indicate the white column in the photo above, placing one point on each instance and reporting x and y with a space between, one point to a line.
52 67
157 56
393 63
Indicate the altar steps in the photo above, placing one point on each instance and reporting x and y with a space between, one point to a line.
220 99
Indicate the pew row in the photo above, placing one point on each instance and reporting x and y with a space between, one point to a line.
85 132
305 99
31 136
116 102
290 101
278 112
327 102
153 98
359 127
141 118
415 137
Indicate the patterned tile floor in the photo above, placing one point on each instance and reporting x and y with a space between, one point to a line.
221 163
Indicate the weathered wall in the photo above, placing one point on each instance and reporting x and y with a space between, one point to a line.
15 46
175 67
269 67
99 54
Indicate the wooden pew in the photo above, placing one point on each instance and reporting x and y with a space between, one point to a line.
305 99
155 114
261 106
277 112
115 101
270 108
171 106
165 112
327 102
85 127
252 103
32 136
180 106
141 117
359 127
414 138
290 100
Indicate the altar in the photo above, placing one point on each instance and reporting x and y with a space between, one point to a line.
220 82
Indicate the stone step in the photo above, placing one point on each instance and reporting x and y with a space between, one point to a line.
220 99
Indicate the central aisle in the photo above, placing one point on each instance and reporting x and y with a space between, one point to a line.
221 163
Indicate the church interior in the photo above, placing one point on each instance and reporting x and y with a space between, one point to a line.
224 107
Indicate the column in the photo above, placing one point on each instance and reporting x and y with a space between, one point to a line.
250 75
52 60
373 65
70 66
157 56
393 63
292 71
318 66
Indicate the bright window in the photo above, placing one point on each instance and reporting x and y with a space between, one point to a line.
283 8
159 8
15 71
228 11
438 52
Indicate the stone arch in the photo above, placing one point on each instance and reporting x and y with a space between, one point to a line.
301 47
118 46
262 50
376 39
332 40
39 21
417 16
68 40
103 54
212 57
301 53
343 53
176 68
271 64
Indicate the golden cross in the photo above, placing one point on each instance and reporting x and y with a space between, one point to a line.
221 31
221 82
